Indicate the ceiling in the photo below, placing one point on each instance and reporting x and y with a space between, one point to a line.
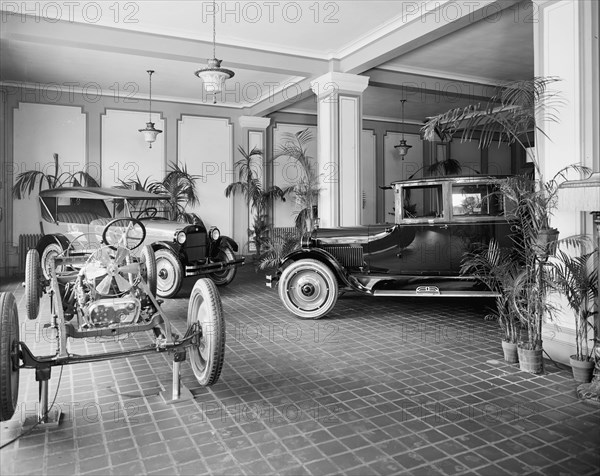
436 54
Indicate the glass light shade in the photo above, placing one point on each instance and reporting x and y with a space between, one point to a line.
213 76
403 148
580 195
150 133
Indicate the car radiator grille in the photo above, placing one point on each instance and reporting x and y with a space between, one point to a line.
347 255
195 246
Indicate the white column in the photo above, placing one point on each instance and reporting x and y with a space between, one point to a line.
566 47
339 131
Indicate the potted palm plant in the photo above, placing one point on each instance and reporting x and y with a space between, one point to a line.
257 197
306 190
513 116
26 181
577 279
498 268
179 184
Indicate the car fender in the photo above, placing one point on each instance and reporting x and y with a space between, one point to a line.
157 245
48 239
326 258
225 242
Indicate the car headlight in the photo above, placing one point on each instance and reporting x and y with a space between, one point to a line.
181 237
214 233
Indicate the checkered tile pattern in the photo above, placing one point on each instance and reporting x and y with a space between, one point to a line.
381 386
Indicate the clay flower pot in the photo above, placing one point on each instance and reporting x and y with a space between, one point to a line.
510 352
583 370
531 360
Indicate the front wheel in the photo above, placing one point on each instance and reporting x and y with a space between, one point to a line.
207 352
9 356
33 284
169 273
224 276
308 289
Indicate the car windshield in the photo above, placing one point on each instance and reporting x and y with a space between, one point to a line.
142 209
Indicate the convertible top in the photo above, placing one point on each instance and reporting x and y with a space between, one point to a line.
100 193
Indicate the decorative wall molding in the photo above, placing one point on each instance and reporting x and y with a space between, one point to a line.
253 122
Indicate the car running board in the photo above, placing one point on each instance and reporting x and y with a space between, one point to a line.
433 293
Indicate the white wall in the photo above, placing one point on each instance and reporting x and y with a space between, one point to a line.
41 130
125 154
206 148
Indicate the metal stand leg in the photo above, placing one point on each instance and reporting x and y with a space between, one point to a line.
45 417
179 393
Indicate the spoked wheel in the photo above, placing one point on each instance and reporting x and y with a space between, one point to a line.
225 276
9 356
148 271
33 284
308 289
169 273
204 310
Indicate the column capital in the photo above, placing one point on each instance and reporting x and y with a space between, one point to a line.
335 83
253 122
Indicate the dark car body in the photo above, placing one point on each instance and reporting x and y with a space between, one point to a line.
437 220
76 217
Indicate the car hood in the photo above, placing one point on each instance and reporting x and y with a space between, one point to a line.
350 235
166 228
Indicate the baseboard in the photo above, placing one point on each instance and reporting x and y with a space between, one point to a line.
559 342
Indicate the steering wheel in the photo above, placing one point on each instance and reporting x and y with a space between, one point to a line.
127 232
148 211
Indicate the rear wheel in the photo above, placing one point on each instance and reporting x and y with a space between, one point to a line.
33 285
308 289
148 259
225 276
169 273
9 356
205 310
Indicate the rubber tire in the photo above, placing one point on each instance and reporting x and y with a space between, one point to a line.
9 344
149 259
308 267
205 307
50 248
33 285
176 268
224 277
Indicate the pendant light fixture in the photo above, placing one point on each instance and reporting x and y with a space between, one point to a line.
150 132
213 76
403 147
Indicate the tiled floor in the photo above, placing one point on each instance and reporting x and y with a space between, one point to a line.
382 386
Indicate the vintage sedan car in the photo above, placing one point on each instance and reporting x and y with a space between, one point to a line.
74 219
437 220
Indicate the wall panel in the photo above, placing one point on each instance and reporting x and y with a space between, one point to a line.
41 130
205 147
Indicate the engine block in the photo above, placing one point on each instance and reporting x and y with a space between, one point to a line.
114 311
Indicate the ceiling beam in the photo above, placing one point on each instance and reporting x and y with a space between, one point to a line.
120 41
413 32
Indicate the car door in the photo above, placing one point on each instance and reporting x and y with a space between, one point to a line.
421 238
477 217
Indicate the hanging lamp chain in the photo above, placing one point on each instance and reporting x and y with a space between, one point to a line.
214 28
150 80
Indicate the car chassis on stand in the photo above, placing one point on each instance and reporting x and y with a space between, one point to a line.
106 294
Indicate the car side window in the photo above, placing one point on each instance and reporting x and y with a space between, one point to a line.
477 199
424 201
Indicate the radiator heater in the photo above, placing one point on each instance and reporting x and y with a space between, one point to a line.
26 243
